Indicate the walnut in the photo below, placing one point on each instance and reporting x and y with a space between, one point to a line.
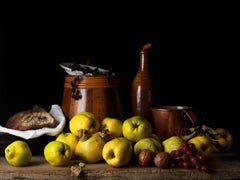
162 160
146 157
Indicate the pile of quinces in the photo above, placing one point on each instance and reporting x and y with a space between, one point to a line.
118 142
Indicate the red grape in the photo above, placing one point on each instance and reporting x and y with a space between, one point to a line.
205 168
185 157
192 146
194 161
179 152
180 164
174 154
189 152
202 158
186 165
185 147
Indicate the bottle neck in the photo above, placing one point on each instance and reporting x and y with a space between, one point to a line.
143 65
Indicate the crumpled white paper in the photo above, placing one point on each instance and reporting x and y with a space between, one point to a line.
67 68
55 111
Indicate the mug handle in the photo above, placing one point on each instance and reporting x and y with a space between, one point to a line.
192 116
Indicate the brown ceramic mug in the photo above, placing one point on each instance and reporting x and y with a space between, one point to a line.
172 120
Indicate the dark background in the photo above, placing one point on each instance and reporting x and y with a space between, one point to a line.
193 60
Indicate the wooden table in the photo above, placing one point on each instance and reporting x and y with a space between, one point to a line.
223 165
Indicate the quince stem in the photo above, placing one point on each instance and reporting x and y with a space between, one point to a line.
84 134
106 135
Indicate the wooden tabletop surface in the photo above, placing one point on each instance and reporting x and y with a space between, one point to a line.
223 166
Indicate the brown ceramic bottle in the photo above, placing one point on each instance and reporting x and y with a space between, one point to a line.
141 88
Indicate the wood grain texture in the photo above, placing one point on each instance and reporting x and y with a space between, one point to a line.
223 165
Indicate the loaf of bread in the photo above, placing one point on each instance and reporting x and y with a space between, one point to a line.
35 118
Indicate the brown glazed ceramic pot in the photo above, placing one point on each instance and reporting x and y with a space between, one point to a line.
99 95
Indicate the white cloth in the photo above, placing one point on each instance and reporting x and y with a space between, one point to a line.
55 111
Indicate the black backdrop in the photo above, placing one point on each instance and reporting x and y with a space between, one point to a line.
193 61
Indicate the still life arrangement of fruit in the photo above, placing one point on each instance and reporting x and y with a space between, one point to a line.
120 143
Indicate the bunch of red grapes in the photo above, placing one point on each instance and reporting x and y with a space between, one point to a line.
187 157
